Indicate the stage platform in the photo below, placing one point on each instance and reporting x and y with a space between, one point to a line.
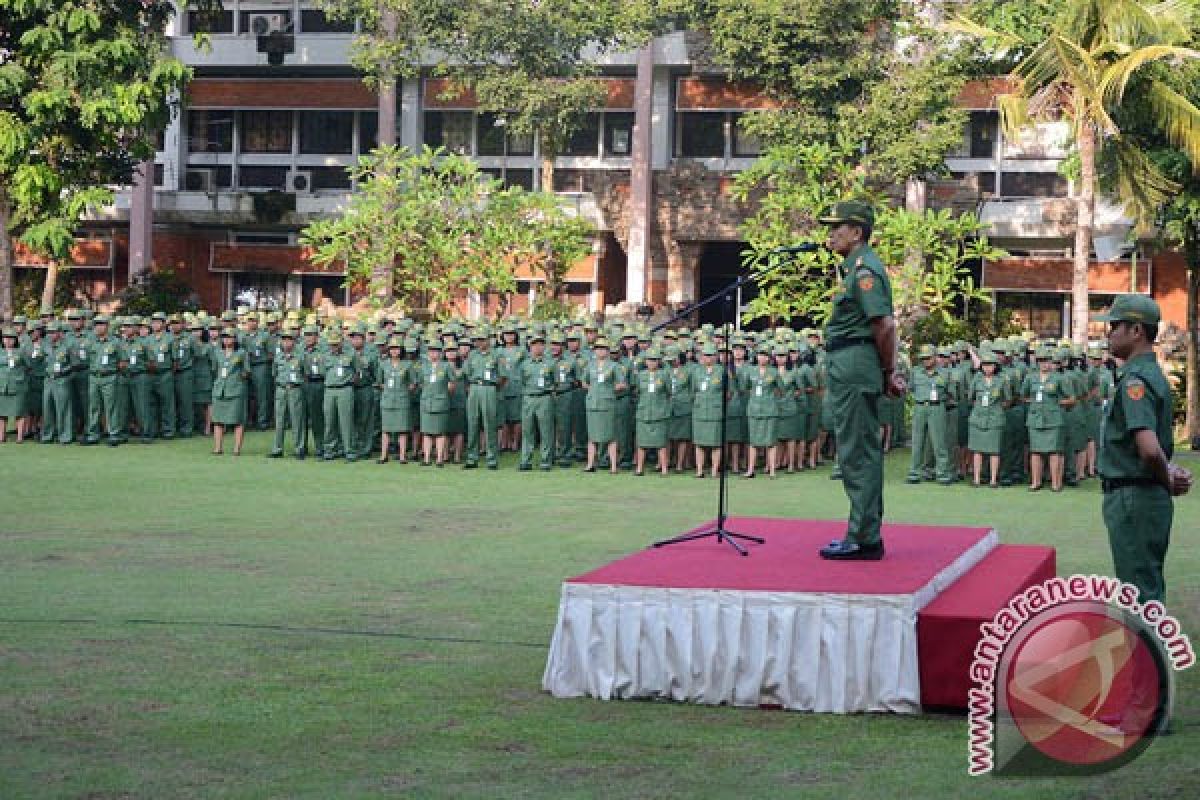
696 622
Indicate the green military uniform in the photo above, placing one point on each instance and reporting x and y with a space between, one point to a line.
366 404
1012 452
58 406
202 377
340 370
929 390
565 382
162 384
184 351
856 379
396 378
483 375
626 405
653 406
35 354
256 344
680 427
537 378
436 378
1138 510
709 383
601 378
139 385
78 340
988 399
761 386
807 397
14 378
287 370
1044 393
105 356
230 376
312 358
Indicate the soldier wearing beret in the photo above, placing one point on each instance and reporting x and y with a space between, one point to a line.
861 346
1139 480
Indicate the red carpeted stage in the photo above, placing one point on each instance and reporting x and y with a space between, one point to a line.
696 622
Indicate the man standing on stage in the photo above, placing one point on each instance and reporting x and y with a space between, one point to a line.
861 362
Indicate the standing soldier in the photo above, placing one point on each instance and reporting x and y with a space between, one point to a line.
1102 393
511 354
256 345
929 419
653 413
230 379
537 378
58 410
1045 397
709 380
77 339
601 379
437 384
312 357
288 371
679 429
861 344
483 377
579 357
183 348
457 421
137 393
988 397
340 369
396 376
105 357
365 404
760 382
14 384
202 378
162 379
1135 453
564 393
35 352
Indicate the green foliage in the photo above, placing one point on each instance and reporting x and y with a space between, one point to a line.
27 294
552 309
433 225
980 323
158 290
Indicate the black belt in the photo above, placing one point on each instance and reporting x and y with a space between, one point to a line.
929 402
1112 484
316 380
836 343
539 394
484 383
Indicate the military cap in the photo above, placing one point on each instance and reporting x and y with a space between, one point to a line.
9 332
395 341
38 323
126 322
411 343
654 353
671 351
358 329
926 351
669 334
53 326
176 317
434 344
481 333
228 333
19 319
943 350
590 325
849 211
159 315
195 325
228 316
572 334
1132 308
310 330
288 333
988 357
780 350
708 349
449 343
143 322
962 346
74 313
334 336
601 343
88 313
101 319
556 337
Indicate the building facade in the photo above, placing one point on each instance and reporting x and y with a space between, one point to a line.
258 150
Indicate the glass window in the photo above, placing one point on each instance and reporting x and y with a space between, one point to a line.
317 21
261 290
194 180
158 175
368 131
520 144
314 289
984 128
490 141
266 131
449 129
701 134
586 140
210 22
1033 184
262 177
210 131
519 177
618 133
745 145
244 19
329 177
327 132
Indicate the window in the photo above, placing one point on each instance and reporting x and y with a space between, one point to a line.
700 134
1040 312
573 180
618 133
194 179
984 126
316 288
260 290
368 131
262 177
519 177
1033 184
158 175
329 177
495 139
210 22
449 129
985 182
316 21
327 132
266 131
586 140
210 131
745 145
244 19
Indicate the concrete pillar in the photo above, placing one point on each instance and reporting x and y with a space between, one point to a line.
682 261
141 220
387 88
641 195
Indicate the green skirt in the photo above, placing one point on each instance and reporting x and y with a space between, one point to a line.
985 441
827 420
12 405
458 420
601 426
395 420
680 428
1077 435
736 430
1046 440
762 431
706 432
512 410
651 435
230 411
790 427
435 423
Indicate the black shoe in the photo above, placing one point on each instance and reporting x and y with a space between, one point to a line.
525 468
589 469
275 454
546 467
493 466
912 479
470 465
846 550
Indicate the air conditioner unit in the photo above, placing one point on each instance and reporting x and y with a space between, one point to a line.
299 181
200 180
266 24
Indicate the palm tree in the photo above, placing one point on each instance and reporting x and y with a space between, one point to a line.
1079 73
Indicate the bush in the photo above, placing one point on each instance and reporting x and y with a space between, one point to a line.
27 292
981 324
158 290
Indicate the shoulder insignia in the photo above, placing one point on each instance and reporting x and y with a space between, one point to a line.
866 283
1136 390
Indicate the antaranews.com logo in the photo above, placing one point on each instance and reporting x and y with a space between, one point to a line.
1073 677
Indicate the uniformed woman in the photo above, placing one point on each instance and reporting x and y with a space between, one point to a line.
808 401
989 397
788 431
679 429
1046 397
709 382
397 377
230 374
437 385
602 379
202 378
457 421
761 386
736 425
35 354
14 385
653 412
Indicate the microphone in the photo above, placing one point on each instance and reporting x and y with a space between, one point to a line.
794 249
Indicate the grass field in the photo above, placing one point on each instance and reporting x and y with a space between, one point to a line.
177 625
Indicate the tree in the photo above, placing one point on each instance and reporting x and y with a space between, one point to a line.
444 227
84 88
1094 50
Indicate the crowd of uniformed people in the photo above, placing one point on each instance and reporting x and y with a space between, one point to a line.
609 396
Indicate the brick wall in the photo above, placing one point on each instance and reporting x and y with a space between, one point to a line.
333 93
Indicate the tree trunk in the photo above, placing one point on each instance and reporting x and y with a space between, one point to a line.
6 258
383 283
1191 245
51 284
1085 211
547 172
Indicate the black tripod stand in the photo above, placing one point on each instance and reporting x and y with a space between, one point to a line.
720 531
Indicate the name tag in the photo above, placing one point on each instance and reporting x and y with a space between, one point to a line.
433 377
758 391
37 352
181 352
295 378
650 388
933 395
82 354
12 363
162 357
57 367
316 369
985 400
1038 398
600 377
257 352
133 360
341 372
391 383
103 361
704 386
541 383
487 374
224 372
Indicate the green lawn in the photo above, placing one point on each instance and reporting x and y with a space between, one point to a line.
178 625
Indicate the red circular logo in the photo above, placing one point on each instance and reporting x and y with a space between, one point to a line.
1083 684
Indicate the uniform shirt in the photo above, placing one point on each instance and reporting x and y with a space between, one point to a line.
105 356
313 359
137 356
928 386
536 376
654 396
184 349
339 369
395 383
708 383
761 385
160 352
288 369
229 374
435 386
14 370
806 388
59 360
988 399
1141 401
257 347
681 391
602 378
564 373
1044 394
482 368
865 293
